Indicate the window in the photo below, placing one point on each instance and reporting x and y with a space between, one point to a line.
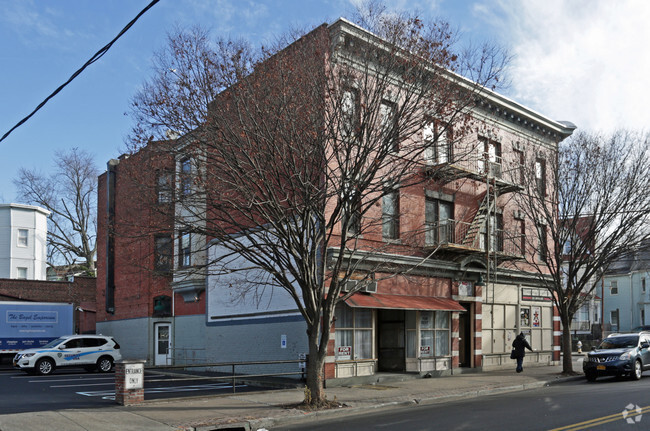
388 116
491 154
185 180
522 237
542 252
540 176
184 249
390 215
23 235
519 166
353 333
613 287
438 220
434 333
436 136
495 235
351 208
163 253
164 187
21 273
349 113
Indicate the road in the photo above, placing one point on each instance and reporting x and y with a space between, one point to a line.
73 388
568 406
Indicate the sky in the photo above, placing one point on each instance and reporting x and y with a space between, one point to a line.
583 61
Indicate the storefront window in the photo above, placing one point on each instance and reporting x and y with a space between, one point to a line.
353 333
434 333
524 315
411 334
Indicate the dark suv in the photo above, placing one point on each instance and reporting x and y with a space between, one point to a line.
617 355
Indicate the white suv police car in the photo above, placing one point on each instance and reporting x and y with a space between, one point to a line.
92 352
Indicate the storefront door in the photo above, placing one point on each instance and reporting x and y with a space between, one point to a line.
162 347
391 336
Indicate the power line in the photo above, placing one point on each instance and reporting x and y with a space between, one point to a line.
99 54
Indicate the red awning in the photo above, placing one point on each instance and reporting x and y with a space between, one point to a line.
403 302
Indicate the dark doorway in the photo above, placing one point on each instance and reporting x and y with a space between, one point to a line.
465 336
391 336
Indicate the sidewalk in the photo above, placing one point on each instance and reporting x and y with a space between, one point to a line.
255 410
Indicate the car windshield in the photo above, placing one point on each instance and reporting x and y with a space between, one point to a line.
619 342
53 343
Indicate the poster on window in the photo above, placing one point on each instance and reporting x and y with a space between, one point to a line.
525 317
537 312
344 353
425 350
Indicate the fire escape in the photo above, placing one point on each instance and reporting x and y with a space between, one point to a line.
482 233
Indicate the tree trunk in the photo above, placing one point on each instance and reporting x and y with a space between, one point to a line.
315 390
567 360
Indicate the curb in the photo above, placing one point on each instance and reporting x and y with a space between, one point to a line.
270 422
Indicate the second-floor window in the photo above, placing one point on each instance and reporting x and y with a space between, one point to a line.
540 176
613 287
23 237
163 253
184 249
438 219
390 215
542 250
185 176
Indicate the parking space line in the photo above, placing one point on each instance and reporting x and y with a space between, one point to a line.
72 380
83 385
166 389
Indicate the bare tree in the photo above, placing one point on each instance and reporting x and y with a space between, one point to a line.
70 194
589 209
287 167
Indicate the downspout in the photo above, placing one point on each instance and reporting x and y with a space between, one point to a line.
111 172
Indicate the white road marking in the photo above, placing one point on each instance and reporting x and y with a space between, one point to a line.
168 389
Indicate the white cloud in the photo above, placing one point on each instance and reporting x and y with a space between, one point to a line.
583 61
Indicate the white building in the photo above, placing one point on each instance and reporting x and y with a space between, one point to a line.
23 241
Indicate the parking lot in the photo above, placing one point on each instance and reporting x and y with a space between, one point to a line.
72 388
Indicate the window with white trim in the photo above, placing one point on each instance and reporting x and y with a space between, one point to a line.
613 287
21 273
23 238
184 249
390 215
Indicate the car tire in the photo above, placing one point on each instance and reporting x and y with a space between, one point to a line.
591 376
45 366
104 364
637 370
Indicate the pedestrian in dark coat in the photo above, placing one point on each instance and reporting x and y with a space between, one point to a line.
519 345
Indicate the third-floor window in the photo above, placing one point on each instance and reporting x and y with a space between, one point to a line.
185 176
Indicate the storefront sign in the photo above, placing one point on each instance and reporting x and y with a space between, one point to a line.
530 294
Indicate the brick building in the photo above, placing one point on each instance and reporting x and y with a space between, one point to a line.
459 228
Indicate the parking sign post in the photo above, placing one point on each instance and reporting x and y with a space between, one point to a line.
129 382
